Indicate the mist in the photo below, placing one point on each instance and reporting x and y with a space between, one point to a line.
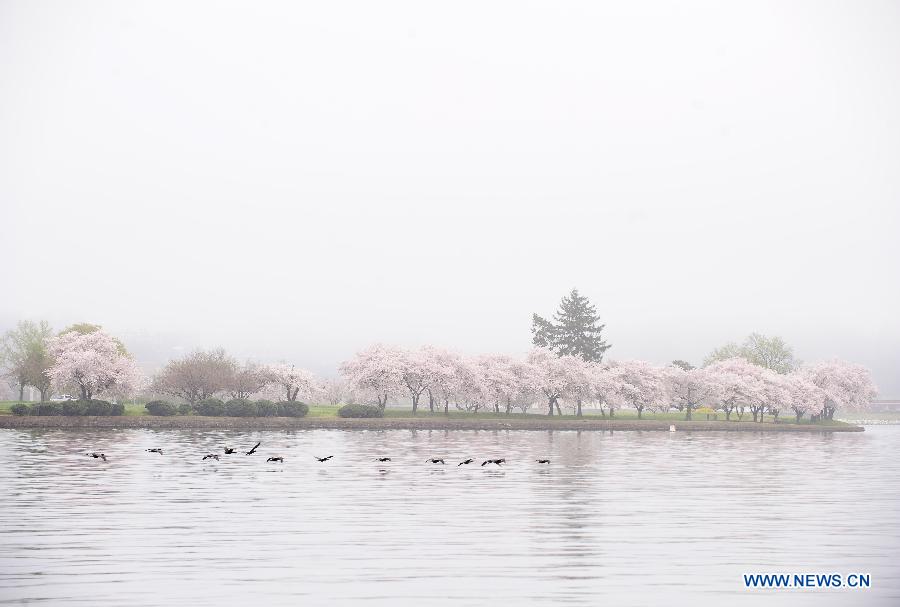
298 181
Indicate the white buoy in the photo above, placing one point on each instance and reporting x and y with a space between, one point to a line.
672 428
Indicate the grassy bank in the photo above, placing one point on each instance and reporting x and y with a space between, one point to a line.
324 412
324 417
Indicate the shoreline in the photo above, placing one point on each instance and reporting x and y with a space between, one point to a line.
397 423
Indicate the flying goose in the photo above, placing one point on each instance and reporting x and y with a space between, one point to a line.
275 459
155 450
435 460
323 459
253 450
214 456
464 462
97 455
493 461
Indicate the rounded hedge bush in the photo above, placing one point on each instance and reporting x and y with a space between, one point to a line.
240 407
185 409
71 408
287 408
46 409
266 408
161 407
360 411
75 407
211 407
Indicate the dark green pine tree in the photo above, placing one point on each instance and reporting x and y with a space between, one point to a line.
575 329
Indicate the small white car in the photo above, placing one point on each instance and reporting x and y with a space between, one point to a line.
62 398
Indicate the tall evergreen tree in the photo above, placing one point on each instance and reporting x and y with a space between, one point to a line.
574 330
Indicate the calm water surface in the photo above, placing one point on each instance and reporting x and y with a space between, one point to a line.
630 518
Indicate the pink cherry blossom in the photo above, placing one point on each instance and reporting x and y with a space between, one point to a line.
93 363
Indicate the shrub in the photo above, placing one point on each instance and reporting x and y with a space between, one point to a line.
212 407
266 408
20 409
360 411
240 407
74 407
161 407
287 408
185 409
46 409
102 407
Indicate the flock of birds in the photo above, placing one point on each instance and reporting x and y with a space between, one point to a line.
280 459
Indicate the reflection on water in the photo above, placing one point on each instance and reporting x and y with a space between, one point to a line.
630 518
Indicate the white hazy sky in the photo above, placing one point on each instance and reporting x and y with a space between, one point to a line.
297 180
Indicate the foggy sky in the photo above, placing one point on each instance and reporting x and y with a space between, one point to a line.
298 180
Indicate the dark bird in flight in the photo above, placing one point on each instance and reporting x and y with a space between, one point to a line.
96 455
493 461
435 460
542 461
464 462
155 450
275 459
382 459
214 456
230 450
253 450
323 459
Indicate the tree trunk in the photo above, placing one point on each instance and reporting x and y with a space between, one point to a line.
44 393
550 412
728 415
415 401
447 407
799 415
612 412
558 410
640 410
21 392
687 414
578 407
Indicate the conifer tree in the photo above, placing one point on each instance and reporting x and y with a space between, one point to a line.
574 330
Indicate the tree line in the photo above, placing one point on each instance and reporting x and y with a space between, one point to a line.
565 370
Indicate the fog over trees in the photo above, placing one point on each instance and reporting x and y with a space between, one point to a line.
565 370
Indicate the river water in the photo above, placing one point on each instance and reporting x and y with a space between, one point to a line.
624 518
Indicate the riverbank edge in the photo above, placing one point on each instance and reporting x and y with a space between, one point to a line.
396 423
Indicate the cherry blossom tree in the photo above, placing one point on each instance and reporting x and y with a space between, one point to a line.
294 381
737 383
197 376
638 384
581 381
844 384
248 379
775 395
378 370
414 374
443 375
552 375
688 387
603 387
334 390
93 363
805 396
500 380
471 392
